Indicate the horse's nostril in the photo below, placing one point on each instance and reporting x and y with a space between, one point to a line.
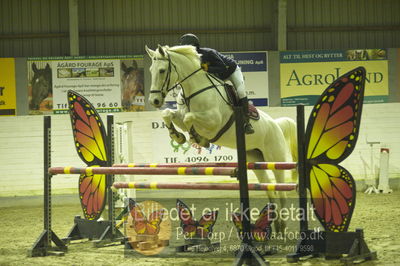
156 102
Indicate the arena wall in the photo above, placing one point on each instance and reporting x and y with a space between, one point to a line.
21 151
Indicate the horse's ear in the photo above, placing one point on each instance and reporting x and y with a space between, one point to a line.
149 52
47 67
123 67
34 67
161 50
134 64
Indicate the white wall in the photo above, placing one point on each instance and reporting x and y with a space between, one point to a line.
21 147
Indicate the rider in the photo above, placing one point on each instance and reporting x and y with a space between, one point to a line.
224 68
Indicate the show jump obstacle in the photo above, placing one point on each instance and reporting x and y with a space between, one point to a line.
205 186
330 137
254 165
230 171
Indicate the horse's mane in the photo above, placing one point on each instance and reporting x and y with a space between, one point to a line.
188 51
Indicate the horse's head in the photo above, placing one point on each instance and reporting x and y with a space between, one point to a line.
132 83
41 85
162 75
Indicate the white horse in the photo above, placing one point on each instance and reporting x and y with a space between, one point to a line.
204 112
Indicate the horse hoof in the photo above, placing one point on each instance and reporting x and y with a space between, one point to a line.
180 138
205 144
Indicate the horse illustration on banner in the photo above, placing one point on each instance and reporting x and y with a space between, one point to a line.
41 88
132 86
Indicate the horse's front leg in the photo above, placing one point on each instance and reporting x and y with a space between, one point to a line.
200 125
196 138
170 117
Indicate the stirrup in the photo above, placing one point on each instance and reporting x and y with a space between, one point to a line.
248 129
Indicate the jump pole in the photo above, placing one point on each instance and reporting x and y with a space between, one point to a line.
205 186
231 171
251 166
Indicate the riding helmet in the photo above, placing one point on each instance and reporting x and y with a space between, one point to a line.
189 39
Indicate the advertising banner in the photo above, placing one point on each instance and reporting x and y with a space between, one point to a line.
8 99
169 151
305 74
110 83
254 66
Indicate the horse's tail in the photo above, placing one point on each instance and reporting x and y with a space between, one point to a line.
289 129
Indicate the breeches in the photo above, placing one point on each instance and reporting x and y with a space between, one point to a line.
238 82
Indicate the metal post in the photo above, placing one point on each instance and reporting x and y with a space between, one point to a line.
247 253
47 178
42 246
242 174
110 178
302 168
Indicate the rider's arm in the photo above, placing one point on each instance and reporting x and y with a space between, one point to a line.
214 62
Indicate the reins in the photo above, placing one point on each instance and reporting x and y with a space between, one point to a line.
187 99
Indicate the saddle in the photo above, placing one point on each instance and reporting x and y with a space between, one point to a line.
233 99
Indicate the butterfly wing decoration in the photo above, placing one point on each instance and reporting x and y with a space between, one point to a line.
206 224
191 227
332 132
141 224
261 229
188 223
89 137
154 221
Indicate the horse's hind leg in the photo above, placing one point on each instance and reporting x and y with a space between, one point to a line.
169 117
273 196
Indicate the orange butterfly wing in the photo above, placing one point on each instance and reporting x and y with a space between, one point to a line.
154 221
141 224
139 219
333 131
89 137
191 227
206 224
261 229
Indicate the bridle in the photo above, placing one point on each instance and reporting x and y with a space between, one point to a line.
167 81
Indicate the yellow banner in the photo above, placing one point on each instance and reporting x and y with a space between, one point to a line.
313 78
298 79
8 99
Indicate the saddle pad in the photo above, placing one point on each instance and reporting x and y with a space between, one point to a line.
253 112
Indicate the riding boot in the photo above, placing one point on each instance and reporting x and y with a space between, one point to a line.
248 128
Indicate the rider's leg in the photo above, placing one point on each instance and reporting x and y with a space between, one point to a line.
238 82
244 103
